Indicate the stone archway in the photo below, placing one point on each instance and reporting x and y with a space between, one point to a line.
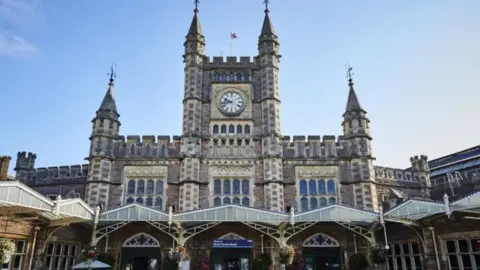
322 251
141 251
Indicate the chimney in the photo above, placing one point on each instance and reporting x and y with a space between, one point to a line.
4 164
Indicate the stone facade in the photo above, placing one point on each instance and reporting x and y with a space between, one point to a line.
245 140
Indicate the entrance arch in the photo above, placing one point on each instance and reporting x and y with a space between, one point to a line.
141 251
231 236
322 252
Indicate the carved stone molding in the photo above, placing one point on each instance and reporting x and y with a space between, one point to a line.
231 171
146 171
316 171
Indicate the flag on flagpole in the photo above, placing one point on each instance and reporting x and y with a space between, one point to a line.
233 35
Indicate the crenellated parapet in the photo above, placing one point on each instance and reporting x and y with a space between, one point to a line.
243 62
46 175
147 146
314 146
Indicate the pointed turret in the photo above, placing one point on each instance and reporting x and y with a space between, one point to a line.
194 40
352 102
267 35
195 27
267 27
108 107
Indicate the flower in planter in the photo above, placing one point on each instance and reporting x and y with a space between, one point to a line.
286 253
90 254
7 249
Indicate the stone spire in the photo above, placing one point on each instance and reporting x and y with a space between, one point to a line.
352 101
195 27
108 107
267 27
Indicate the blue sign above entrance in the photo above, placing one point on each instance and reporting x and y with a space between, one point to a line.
240 243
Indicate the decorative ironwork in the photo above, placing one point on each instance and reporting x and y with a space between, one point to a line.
320 240
141 240
231 236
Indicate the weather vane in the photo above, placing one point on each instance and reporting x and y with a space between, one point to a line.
265 2
196 2
113 72
349 72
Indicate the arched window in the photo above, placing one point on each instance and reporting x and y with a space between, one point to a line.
217 77
159 203
312 187
141 187
217 201
246 201
313 203
303 187
320 240
246 77
139 200
150 187
236 200
239 76
236 187
217 187
131 187
323 202
231 77
331 187
245 187
231 129
224 77
226 187
239 129
332 200
163 151
226 200
149 201
247 129
141 240
159 189
321 186
215 129
130 200
223 129
304 204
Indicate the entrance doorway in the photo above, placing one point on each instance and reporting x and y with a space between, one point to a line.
322 252
141 252
231 252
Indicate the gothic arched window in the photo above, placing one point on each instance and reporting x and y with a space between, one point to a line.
130 200
149 201
313 203
226 187
139 200
217 201
231 129
246 77
223 129
150 187
131 187
332 200
226 200
247 129
321 186
245 187
246 201
239 76
239 129
217 187
141 187
215 129
331 187
236 200
323 202
236 186
159 203
303 187
312 187
231 77
224 77
159 188
304 204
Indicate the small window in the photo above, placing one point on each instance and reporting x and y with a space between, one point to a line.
215 129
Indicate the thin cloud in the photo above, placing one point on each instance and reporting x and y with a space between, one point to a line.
14 14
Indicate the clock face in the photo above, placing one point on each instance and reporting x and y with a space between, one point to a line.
231 103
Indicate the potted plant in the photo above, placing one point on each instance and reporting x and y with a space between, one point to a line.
286 253
90 253
378 254
358 262
7 249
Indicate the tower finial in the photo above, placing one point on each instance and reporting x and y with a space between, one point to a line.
113 72
196 2
265 2
349 73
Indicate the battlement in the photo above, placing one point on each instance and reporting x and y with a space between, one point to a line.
388 173
26 155
311 139
149 139
229 60
419 163
314 146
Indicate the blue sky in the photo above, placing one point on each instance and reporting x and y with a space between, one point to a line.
415 63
